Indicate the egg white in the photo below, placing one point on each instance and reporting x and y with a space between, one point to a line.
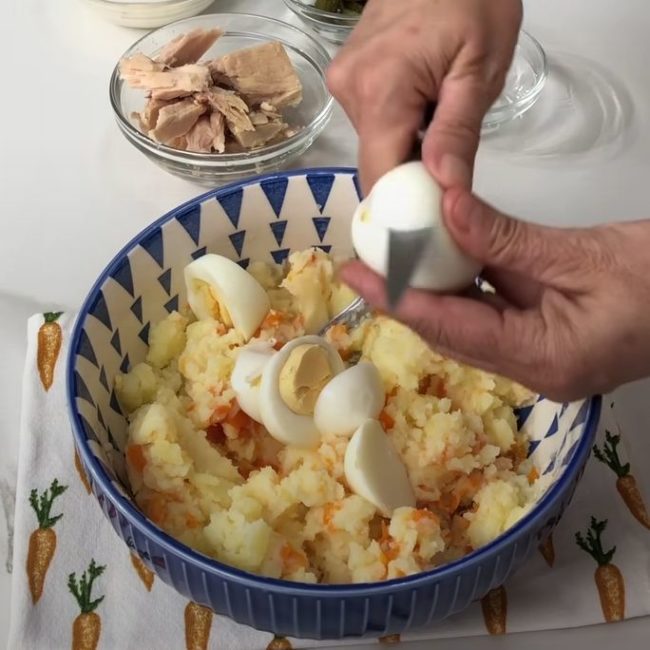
242 295
349 399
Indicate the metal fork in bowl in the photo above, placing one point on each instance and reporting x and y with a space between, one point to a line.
357 311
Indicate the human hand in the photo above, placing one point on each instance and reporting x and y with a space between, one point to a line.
571 313
404 55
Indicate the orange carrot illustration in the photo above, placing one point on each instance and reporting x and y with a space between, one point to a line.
625 483
279 643
42 541
87 627
48 347
390 639
145 574
81 471
495 608
609 580
198 621
547 550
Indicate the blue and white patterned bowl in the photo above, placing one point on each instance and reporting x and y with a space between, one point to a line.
265 218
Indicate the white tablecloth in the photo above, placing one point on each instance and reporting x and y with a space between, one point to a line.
72 190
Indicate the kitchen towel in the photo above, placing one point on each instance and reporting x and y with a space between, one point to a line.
76 585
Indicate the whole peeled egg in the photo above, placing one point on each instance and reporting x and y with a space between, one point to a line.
408 198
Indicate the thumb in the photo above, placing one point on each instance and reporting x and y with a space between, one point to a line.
499 241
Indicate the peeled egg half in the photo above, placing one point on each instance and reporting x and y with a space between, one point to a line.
349 399
408 198
291 382
374 470
219 288
246 377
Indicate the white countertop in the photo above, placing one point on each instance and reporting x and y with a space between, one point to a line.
72 190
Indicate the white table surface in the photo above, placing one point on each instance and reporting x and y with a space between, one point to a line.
72 190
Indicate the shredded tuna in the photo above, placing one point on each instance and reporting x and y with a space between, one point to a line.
176 119
188 48
262 134
218 124
229 104
263 73
200 137
232 107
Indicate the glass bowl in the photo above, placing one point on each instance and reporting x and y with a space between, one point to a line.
310 60
524 83
147 14
333 27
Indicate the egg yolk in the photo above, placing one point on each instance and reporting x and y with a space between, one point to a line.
213 303
303 377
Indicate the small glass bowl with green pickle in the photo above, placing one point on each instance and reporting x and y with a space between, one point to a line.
331 19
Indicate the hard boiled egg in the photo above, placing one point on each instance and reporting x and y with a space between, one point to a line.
291 382
349 399
408 198
219 288
374 470
246 376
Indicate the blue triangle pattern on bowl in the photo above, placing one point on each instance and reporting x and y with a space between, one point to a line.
136 308
357 186
190 219
280 256
237 241
320 186
244 263
153 244
100 418
100 311
102 378
85 349
116 343
123 275
126 364
199 252
90 432
165 279
581 415
81 390
172 305
231 204
321 224
275 189
278 228
144 334
115 405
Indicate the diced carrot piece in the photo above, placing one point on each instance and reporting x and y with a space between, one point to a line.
292 559
221 412
329 510
238 420
272 319
215 434
191 521
533 475
449 501
424 514
278 345
386 420
136 458
157 508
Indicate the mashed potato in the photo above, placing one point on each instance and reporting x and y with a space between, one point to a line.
215 479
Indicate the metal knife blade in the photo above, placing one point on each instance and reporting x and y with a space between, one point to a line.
405 247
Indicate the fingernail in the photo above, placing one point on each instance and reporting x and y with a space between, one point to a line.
455 171
465 212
